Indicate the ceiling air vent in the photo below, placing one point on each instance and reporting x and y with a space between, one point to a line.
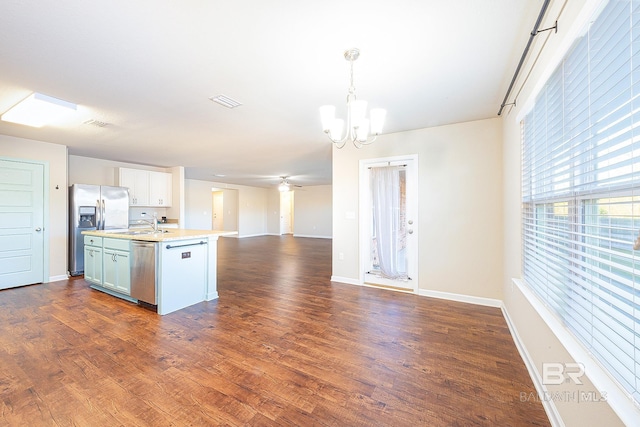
97 123
225 101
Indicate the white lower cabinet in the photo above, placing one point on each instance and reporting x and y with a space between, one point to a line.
116 257
93 259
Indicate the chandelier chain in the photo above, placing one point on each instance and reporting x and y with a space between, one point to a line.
352 89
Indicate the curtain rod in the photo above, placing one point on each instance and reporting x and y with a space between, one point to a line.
534 33
389 165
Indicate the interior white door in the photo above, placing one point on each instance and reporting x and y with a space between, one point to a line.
218 211
21 223
286 212
408 236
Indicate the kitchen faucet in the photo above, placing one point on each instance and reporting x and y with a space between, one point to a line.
153 224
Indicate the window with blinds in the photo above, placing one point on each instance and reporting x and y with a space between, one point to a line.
581 191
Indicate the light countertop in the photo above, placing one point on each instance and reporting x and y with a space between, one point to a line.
165 235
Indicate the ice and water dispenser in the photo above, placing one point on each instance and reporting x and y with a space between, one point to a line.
87 217
81 220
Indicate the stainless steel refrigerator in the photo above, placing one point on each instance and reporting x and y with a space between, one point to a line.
94 207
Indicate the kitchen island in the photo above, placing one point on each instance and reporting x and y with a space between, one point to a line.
184 265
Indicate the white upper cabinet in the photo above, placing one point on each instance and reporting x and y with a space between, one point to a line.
146 188
137 181
160 184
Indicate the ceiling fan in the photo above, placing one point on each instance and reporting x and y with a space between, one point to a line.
285 185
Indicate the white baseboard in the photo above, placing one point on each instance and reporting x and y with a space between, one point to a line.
276 234
58 278
346 280
489 302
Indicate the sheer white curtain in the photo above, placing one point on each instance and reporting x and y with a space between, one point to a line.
389 233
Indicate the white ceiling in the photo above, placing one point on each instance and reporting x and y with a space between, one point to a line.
148 67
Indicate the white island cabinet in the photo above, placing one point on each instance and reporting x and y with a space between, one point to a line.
185 265
116 265
183 272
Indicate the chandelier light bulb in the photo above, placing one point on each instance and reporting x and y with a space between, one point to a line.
362 131
327 116
377 116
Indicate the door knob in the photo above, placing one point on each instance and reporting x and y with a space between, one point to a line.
410 222
410 231
38 229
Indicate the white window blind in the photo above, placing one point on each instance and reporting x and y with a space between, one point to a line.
581 191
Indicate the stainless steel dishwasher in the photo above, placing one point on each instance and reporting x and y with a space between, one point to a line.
143 271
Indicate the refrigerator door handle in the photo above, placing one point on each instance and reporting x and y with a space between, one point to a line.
103 214
98 215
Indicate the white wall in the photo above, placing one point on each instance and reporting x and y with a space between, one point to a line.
56 156
273 212
460 203
252 206
177 209
230 205
540 343
198 206
259 208
312 211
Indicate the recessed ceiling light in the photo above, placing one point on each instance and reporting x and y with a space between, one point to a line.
37 110
225 101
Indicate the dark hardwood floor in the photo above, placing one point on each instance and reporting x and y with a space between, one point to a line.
282 346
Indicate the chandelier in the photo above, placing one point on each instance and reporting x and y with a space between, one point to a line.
360 130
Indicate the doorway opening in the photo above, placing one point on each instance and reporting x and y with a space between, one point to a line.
224 210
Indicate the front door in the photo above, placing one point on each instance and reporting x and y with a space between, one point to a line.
21 223
389 221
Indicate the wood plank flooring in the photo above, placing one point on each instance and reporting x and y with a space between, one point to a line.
282 346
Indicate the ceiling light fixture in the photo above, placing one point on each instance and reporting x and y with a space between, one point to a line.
358 127
284 184
38 110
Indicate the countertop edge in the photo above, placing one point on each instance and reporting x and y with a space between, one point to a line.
172 234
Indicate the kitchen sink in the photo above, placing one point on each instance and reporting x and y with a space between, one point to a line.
142 232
